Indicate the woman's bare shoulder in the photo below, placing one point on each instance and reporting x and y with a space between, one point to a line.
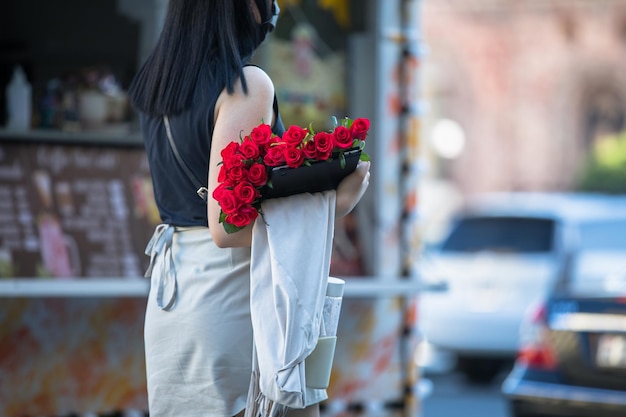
256 102
257 77
259 92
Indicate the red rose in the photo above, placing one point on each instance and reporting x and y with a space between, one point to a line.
309 149
257 174
234 160
219 191
343 138
261 134
295 135
223 174
249 149
274 156
324 144
294 157
243 217
359 128
237 174
245 192
230 149
228 201
246 163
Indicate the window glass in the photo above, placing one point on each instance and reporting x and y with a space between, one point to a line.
501 234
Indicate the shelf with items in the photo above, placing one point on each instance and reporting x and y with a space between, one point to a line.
75 209
120 135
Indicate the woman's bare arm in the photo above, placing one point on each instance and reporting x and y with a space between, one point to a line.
237 114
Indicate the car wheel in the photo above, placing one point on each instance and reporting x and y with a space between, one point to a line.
479 370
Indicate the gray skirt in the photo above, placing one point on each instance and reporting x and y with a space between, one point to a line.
198 333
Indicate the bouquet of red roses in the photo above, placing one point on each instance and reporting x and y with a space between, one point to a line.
249 165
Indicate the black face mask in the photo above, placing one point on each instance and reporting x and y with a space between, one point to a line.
270 25
268 22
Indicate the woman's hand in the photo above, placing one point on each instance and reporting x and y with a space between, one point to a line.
352 188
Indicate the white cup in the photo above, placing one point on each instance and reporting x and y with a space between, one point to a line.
318 364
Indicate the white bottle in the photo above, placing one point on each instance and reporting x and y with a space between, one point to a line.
332 306
19 101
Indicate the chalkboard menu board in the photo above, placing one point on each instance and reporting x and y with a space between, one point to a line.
74 210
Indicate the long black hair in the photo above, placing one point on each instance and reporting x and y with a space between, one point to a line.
201 40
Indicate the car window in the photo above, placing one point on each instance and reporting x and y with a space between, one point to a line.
501 234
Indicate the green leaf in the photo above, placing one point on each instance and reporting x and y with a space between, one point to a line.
231 228
342 160
222 217
311 131
364 157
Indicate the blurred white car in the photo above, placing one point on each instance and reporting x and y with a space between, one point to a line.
503 252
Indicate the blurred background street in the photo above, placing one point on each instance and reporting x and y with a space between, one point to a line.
453 396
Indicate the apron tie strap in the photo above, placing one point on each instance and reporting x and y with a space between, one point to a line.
161 243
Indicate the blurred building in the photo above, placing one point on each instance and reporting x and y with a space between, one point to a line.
527 86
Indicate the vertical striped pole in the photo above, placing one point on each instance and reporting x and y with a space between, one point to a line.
408 133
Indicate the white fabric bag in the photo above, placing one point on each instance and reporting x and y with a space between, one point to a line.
290 264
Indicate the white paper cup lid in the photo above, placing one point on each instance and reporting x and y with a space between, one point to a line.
335 287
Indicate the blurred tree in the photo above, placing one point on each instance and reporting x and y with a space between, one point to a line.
605 170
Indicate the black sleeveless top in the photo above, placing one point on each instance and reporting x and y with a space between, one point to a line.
192 130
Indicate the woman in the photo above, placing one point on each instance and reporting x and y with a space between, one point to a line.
198 334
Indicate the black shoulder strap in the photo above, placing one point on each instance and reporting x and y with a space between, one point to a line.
202 191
